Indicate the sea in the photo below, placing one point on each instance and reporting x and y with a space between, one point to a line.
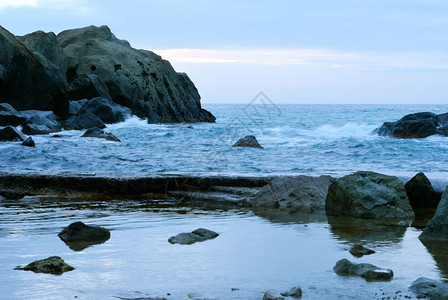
310 139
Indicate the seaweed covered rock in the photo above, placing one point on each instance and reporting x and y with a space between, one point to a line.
367 194
51 265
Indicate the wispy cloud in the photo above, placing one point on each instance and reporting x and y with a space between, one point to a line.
73 5
17 3
309 57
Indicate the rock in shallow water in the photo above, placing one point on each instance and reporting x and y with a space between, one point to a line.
51 265
199 235
29 142
367 271
420 192
437 228
425 287
295 292
80 232
10 134
99 133
359 250
272 296
248 141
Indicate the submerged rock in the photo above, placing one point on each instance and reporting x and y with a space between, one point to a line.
272 296
420 192
368 195
29 142
10 134
99 133
248 141
425 287
199 235
359 250
51 265
80 232
295 292
437 228
367 271
295 194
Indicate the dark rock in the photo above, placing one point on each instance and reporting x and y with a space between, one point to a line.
295 292
442 119
99 133
359 250
79 236
40 122
108 111
84 121
425 287
295 194
199 235
29 81
418 125
137 79
368 195
29 142
51 265
367 271
75 106
88 87
437 228
7 108
420 192
10 134
272 296
248 141
13 119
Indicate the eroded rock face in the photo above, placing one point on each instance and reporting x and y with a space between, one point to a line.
138 79
437 228
199 235
295 194
51 265
367 194
367 271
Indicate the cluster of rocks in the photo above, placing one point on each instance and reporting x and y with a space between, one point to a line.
417 125
85 78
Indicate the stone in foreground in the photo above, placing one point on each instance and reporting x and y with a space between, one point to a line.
420 192
248 141
51 265
425 287
199 235
367 194
369 272
359 250
437 228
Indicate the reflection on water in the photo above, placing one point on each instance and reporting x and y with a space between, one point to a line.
252 254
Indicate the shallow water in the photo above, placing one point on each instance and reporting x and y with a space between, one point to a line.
252 254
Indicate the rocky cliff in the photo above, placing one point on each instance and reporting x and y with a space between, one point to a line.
43 71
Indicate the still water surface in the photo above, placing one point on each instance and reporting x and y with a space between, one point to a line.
252 254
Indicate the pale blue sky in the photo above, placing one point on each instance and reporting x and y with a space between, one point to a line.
302 51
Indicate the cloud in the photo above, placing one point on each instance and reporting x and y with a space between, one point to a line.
73 5
309 57
17 3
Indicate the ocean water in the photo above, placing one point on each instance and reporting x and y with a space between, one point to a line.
297 139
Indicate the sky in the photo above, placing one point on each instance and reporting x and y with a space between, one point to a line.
295 51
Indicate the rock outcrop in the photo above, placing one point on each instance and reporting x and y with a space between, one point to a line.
199 235
368 195
138 79
369 272
437 228
295 194
51 265
417 125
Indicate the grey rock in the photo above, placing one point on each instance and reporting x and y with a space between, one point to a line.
40 122
84 121
420 192
295 292
11 118
10 134
75 106
99 133
138 79
437 228
51 265
108 111
359 250
442 119
29 80
29 142
7 108
248 141
199 235
272 296
367 271
367 194
418 125
294 194
88 87
80 232
425 287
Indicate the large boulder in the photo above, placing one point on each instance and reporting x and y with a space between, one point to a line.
295 194
84 121
52 265
367 194
428 288
418 125
420 192
40 122
27 79
138 79
437 228
10 134
369 272
108 111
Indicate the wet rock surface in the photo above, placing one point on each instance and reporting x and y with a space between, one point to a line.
428 288
295 292
10 134
199 235
420 192
101 134
367 271
367 194
80 232
249 141
51 265
437 228
272 296
29 142
359 250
